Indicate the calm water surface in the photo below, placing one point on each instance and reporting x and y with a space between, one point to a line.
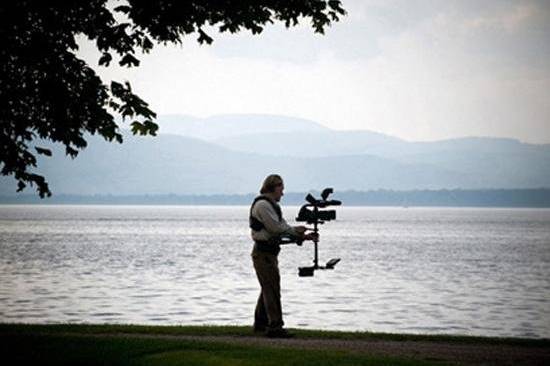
414 270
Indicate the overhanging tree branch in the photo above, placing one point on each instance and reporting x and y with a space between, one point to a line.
47 92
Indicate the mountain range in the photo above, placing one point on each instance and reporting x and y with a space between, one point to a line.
231 154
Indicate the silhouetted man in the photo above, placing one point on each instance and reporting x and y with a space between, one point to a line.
267 226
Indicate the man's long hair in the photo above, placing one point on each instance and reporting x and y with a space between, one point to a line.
270 183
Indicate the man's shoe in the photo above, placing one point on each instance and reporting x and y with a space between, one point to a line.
278 333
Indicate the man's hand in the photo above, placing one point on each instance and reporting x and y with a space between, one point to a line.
301 230
311 236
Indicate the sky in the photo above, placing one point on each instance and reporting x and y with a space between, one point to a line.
418 70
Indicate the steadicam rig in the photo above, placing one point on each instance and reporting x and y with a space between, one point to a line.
313 213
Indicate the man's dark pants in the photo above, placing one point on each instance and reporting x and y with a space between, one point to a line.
268 312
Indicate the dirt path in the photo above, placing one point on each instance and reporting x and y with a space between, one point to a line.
454 353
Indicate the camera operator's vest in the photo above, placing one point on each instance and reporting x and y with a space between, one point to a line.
270 246
256 224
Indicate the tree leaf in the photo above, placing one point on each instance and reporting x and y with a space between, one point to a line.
43 151
105 59
129 60
123 9
203 37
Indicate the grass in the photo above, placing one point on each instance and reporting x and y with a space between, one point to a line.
69 344
65 350
209 330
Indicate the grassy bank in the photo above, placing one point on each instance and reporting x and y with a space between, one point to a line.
68 344
242 331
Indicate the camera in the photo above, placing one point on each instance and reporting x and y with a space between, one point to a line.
311 213
310 216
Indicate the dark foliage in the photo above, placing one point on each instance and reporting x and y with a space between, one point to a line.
47 92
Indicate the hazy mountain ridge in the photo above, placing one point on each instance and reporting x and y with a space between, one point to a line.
181 165
310 143
221 126
347 160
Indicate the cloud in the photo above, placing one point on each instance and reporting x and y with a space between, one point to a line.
435 70
511 20
441 79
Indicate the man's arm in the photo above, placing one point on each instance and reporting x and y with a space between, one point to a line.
267 215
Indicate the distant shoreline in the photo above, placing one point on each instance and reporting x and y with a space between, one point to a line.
504 198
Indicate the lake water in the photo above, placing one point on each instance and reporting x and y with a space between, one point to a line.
412 270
